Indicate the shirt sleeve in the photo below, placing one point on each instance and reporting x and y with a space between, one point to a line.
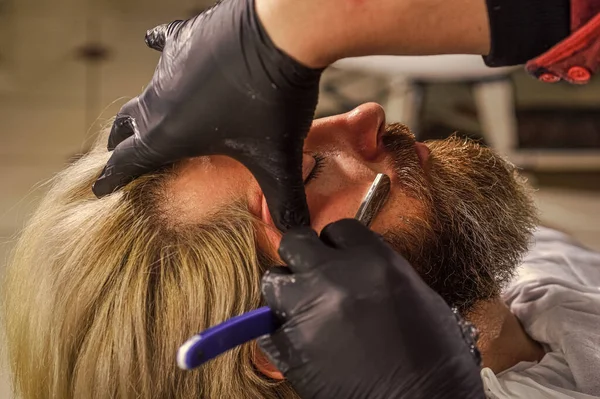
523 29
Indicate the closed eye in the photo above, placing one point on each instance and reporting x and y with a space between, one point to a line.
317 169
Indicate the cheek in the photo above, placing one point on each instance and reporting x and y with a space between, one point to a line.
327 206
324 209
333 206
337 193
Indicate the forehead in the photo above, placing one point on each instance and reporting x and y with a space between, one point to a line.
202 185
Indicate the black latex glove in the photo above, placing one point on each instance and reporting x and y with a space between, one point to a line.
221 87
361 323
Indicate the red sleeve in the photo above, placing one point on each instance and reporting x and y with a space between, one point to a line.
577 57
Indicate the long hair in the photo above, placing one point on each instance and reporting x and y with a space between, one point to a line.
101 292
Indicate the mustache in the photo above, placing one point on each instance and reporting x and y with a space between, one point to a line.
398 137
399 142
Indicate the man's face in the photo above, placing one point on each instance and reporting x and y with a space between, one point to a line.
455 209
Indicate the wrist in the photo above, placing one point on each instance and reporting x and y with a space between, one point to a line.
293 26
319 32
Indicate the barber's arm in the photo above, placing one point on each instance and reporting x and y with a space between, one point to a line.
359 322
318 33
558 39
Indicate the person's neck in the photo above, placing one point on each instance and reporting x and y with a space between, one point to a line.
502 340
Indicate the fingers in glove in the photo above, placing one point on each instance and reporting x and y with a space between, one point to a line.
278 349
273 285
156 38
284 294
281 291
349 233
282 349
124 125
302 250
125 164
289 208
279 174
286 200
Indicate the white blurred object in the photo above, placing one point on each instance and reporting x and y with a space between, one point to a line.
494 100
493 91
430 68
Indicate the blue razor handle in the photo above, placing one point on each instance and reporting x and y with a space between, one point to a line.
225 336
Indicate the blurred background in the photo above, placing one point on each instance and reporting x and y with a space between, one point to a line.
66 67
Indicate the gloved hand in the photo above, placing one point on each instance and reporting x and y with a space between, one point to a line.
221 87
577 57
359 322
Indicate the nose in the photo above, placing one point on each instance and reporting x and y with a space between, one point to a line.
359 130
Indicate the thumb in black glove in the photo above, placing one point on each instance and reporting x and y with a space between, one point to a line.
221 87
360 323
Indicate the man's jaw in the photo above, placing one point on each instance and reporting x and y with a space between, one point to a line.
477 220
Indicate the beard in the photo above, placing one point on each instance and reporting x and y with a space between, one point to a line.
478 217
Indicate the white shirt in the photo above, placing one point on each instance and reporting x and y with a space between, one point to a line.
556 296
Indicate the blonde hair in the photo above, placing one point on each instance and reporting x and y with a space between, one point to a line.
101 292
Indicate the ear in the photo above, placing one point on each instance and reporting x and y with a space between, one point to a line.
265 366
270 236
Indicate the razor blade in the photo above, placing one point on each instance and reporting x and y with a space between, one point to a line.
374 200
